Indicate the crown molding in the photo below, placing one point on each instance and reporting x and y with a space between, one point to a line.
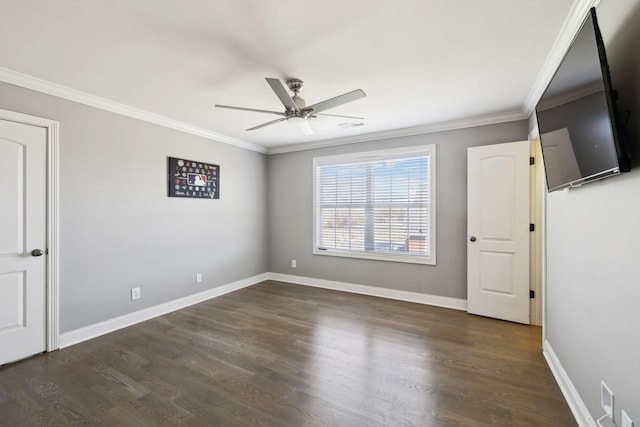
568 31
34 83
411 131
54 89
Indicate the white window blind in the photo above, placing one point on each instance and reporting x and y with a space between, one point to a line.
376 205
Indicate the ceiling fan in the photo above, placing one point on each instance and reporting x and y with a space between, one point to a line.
296 109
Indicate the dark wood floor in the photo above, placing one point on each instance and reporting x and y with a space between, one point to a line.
278 354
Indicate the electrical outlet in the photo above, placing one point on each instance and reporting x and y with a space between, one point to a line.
293 263
626 421
135 293
606 399
199 278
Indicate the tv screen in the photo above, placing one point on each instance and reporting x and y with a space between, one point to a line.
576 115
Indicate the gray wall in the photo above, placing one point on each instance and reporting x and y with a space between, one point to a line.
593 267
291 217
118 228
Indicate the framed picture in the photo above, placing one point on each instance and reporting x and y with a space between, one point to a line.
194 180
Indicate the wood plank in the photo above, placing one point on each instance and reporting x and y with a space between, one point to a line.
278 354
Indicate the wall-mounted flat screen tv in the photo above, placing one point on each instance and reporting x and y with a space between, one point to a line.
576 115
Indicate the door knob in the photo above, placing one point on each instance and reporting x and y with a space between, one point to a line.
37 252
472 238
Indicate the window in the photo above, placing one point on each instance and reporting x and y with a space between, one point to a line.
376 205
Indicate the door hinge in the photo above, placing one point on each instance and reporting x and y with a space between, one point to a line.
532 160
532 294
532 227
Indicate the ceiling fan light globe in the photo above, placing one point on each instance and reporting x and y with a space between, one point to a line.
301 123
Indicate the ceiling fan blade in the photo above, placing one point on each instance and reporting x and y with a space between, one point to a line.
268 123
344 117
250 109
282 94
335 101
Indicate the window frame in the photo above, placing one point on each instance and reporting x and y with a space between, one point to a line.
429 150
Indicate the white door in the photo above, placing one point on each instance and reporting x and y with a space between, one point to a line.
498 231
22 236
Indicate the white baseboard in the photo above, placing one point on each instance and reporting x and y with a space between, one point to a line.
447 302
577 406
97 329
92 331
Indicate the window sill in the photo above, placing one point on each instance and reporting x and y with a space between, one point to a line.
409 259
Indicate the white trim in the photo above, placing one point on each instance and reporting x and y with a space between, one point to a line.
43 86
577 406
366 156
419 298
97 329
376 256
53 231
34 83
568 31
537 191
492 119
53 226
541 227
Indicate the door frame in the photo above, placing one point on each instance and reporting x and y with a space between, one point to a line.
52 226
538 217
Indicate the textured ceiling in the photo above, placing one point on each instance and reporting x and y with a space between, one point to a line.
420 62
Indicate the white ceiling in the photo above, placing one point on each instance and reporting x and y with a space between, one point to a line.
421 62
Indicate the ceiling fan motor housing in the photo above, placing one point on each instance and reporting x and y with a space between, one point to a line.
295 85
300 103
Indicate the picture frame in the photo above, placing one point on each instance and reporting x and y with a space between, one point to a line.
192 179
